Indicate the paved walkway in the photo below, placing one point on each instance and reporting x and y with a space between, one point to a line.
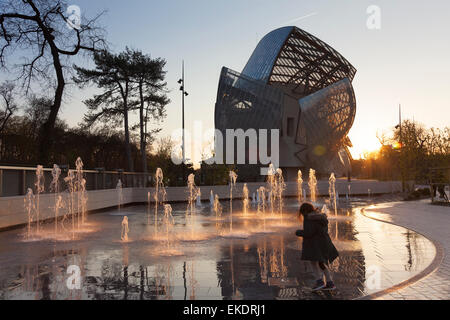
434 223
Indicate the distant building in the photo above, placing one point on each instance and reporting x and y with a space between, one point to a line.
298 84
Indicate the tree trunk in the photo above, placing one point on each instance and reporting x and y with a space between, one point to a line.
127 140
45 140
141 127
46 132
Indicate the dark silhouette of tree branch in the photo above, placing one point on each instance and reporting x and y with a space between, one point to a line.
39 29
10 106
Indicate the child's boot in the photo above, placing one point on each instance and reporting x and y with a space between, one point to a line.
320 284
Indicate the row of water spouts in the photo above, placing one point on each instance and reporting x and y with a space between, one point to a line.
76 199
75 204
276 186
271 195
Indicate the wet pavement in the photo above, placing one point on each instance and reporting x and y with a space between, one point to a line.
433 222
257 257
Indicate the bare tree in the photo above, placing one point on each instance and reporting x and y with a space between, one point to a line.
44 32
8 104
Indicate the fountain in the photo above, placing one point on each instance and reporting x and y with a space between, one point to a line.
125 230
262 204
218 213
30 208
39 189
168 222
280 186
262 200
233 178
253 199
70 207
84 199
141 250
271 181
217 207
245 199
211 199
300 187
332 192
198 202
160 194
54 186
193 192
119 189
79 188
148 207
312 183
59 204
276 186
76 199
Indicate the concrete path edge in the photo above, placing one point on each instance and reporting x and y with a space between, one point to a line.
432 267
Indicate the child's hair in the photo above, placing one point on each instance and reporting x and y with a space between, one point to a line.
306 208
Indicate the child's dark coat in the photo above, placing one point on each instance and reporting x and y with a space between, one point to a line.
317 245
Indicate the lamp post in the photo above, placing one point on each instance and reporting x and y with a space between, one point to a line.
183 94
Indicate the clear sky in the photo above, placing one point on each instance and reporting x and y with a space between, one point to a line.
407 61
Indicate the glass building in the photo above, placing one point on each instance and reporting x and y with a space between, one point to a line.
296 83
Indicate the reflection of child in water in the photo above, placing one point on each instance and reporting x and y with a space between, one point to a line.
317 247
125 230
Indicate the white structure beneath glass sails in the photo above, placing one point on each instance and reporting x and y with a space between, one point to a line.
298 84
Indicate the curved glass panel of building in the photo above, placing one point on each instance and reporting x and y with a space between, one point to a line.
296 83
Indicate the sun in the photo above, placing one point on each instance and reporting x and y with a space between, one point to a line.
363 142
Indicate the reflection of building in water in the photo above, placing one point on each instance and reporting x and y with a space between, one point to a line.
192 281
132 282
278 268
250 270
343 230
272 268
238 273
45 280
262 259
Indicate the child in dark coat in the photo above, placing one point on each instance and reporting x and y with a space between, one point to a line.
317 246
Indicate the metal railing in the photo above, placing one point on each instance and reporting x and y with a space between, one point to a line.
14 181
